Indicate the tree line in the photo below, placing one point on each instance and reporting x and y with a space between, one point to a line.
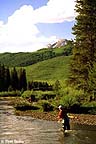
12 79
16 80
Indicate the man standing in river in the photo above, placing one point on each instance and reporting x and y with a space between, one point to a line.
62 115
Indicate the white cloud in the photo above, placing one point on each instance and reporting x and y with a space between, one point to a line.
56 11
20 33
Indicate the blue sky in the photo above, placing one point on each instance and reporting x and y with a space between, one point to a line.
28 25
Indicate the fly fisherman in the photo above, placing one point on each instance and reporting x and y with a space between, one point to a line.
62 115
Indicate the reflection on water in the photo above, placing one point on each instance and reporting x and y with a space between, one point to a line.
27 130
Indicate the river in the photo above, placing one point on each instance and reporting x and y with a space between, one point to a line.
27 130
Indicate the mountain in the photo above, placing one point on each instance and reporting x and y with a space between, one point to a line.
59 43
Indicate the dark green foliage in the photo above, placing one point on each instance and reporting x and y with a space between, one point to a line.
85 108
82 110
14 79
25 106
7 79
68 48
47 96
37 85
32 98
47 106
10 81
22 79
4 78
25 59
2 72
84 52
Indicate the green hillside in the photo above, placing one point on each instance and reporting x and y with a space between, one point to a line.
44 64
52 69
22 59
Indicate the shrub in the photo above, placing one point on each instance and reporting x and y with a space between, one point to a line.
48 95
46 106
68 101
44 95
89 107
72 99
29 95
10 93
23 106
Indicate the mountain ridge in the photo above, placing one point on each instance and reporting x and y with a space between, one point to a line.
22 59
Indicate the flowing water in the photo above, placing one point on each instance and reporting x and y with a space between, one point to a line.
27 130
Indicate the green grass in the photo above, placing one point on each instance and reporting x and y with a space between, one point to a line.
49 70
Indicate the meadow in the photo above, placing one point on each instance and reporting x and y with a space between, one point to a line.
49 70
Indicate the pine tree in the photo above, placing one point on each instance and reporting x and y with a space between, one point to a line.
2 72
14 79
7 78
22 79
84 52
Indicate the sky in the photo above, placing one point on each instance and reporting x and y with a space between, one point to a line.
29 25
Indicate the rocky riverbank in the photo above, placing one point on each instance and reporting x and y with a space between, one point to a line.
52 116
